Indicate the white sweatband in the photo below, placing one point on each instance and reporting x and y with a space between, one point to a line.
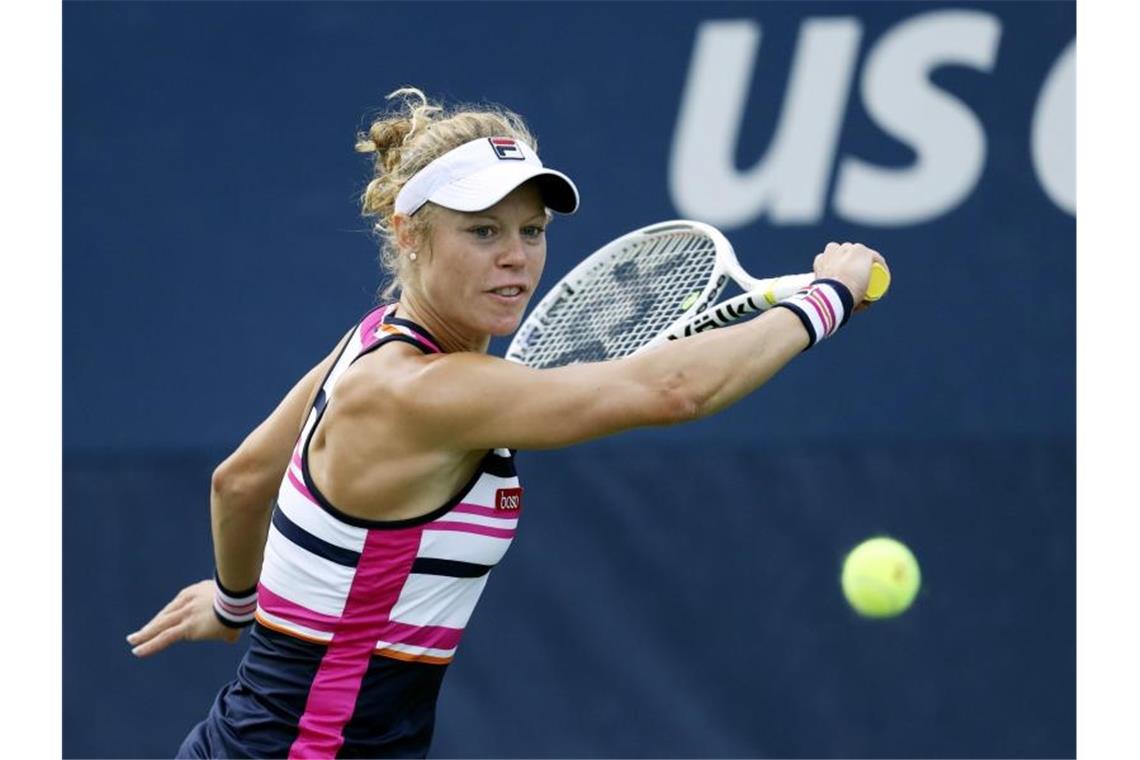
823 307
234 608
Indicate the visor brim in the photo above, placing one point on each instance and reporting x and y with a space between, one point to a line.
485 188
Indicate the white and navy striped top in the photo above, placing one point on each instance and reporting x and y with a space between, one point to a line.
356 618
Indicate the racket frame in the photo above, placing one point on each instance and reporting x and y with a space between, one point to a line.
701 315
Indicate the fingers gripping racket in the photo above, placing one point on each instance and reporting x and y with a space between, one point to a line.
654 284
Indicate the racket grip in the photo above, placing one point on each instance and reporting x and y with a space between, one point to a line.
880 282
778 288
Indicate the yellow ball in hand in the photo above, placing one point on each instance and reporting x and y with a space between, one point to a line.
880 577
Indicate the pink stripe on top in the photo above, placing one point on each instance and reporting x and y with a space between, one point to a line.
300 486
476 509
431 636
284 608
481 530
384 566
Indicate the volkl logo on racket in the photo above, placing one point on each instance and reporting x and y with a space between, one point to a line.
721 315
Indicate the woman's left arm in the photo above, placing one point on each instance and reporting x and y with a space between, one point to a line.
241 494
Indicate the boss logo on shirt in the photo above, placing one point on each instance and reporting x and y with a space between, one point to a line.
509 499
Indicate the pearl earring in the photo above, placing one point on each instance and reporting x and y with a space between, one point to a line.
412 255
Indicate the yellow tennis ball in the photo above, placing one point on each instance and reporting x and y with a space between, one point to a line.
880 577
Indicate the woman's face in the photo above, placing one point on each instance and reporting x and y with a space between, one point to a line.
481 268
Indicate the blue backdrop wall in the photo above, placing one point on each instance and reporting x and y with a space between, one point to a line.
685 601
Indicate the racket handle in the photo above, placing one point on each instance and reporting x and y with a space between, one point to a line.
766 293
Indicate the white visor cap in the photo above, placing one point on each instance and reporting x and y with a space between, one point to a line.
480 173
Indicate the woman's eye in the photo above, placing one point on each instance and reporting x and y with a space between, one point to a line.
533 231
482 231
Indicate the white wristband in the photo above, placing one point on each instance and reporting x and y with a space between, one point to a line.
823 307
234 609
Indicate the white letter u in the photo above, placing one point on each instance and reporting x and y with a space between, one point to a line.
790 181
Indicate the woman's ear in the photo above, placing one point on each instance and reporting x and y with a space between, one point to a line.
405 232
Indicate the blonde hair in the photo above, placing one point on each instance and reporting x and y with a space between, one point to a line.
405 141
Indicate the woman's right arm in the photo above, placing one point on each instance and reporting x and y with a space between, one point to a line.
475 401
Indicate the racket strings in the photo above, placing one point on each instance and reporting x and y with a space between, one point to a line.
625 301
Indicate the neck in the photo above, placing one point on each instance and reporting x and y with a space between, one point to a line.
450 339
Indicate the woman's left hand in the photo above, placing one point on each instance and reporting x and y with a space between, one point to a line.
189 617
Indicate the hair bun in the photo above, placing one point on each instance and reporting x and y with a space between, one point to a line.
403 139
385 138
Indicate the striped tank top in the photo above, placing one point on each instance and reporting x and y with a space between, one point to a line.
357 619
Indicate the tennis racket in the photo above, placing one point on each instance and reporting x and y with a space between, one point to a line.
652 285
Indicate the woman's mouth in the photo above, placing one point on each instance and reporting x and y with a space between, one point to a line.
508 292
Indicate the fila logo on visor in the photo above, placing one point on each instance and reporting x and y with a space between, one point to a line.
506 149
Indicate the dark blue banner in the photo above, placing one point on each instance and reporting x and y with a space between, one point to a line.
214 249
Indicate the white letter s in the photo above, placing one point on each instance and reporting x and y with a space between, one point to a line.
944 133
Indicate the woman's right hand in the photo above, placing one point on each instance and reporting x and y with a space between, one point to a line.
850 263
189 617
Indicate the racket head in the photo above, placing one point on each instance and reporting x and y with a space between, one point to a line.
625 294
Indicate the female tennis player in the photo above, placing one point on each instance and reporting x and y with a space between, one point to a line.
354 529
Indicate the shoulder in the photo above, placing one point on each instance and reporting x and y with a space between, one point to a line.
379 376
430 394
401 374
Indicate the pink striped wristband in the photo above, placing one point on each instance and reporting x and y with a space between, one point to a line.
823 307
234 608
